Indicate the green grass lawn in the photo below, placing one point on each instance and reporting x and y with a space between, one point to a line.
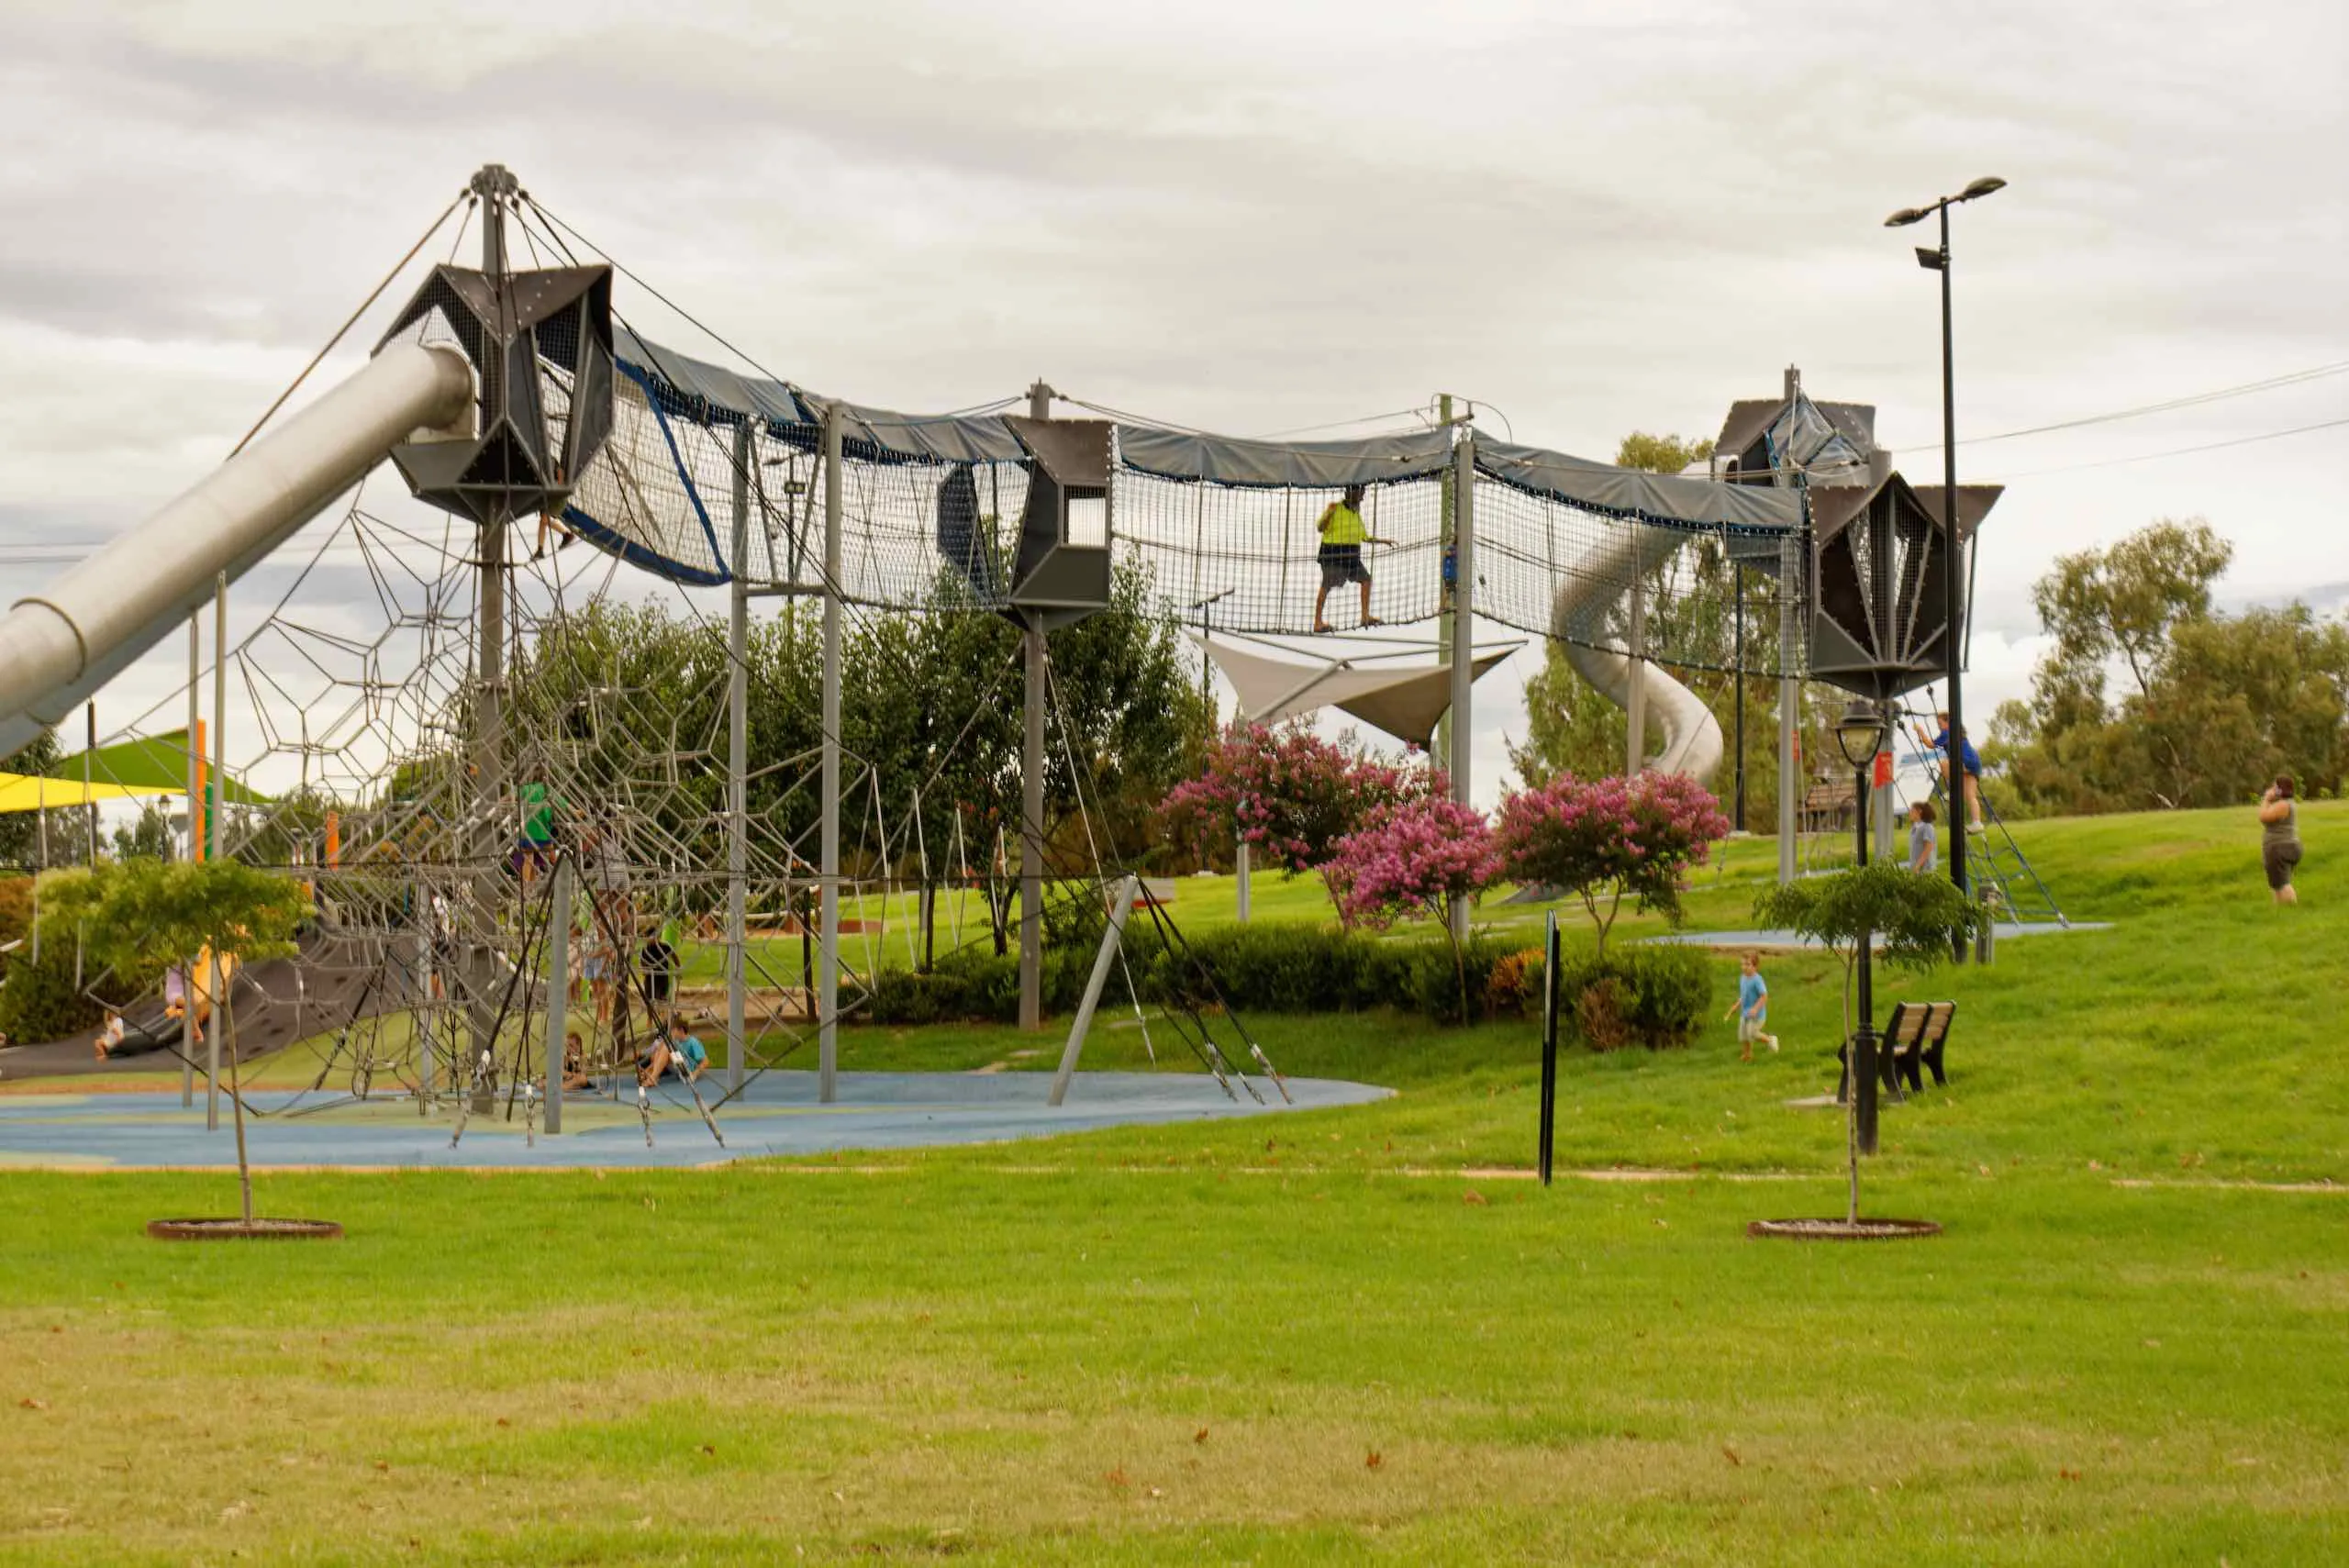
1344 1335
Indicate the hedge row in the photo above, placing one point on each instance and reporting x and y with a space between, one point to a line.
1645 995
42 1001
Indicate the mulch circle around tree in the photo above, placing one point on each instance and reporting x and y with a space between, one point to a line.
1843 1229
234 1230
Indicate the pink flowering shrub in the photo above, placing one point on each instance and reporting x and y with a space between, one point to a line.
1416 858
1287 793
1423 857
1610 838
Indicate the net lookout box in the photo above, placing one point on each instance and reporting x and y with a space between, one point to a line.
1879 626
1062 572
534 433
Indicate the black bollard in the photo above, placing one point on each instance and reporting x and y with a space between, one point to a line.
1549 1116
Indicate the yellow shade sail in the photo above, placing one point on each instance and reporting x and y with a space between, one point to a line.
19 791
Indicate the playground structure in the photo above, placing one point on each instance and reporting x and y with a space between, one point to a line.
471 831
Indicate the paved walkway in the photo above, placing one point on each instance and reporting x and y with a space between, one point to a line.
1793 942
778 1113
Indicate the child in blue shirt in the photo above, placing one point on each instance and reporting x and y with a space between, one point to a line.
1753 1008
675 1052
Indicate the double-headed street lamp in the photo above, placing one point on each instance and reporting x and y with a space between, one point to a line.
1938 260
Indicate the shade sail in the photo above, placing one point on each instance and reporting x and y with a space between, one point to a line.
155 764
1405 703
21 792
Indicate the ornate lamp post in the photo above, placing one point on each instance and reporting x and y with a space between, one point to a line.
1860 734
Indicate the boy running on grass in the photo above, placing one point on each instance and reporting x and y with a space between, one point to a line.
1753 1008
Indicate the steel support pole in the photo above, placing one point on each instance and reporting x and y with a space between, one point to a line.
1464 634
559 914
1448 483
1737 806
1100 977
1241 878
737 764
194 849
1953 593
1031 800
486 806
1791 591
89 801
1032 838
828 978
1635 703
216 825
1863 1041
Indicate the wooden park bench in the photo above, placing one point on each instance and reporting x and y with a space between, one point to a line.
1914 1039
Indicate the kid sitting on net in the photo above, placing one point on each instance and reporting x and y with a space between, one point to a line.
1753 1008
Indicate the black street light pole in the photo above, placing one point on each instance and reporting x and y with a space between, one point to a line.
1953 578
1864 724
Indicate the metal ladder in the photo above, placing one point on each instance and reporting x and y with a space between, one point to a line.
1996 864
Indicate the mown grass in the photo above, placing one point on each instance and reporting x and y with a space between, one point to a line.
1341 1336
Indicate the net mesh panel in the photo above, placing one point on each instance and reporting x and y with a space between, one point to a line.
1254 550
358 701
661 495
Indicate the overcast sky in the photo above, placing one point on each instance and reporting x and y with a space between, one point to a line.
1248 217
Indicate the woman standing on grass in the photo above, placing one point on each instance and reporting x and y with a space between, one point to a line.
2279 837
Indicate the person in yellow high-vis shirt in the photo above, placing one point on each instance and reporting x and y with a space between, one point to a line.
1343 534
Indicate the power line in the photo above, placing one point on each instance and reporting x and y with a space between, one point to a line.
2181 451
2192 400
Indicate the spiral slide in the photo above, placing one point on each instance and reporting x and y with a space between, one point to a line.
1692 737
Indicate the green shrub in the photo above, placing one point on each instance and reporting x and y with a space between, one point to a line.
40 1001
1272 968
1651 995
1277 967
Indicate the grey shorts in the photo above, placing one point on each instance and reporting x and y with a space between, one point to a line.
1749 1030
1340 564
2279 859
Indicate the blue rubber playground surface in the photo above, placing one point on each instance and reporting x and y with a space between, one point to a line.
777 1114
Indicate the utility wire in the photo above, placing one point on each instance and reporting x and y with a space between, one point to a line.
2181 451
2192 400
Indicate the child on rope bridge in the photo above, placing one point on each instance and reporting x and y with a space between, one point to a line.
1343 534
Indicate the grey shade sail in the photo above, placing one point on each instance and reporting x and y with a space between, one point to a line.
697 382
1405 703
1277 465
1633 493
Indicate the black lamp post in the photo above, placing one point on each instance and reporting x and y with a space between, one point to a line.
1938 260
1859 735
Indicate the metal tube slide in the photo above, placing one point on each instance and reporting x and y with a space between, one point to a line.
59 646
1692 737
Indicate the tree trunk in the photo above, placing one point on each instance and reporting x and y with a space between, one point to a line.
227 1024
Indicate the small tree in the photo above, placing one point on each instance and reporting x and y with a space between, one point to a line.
140 916
1914 923
1610 838
1424 857
1288 795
